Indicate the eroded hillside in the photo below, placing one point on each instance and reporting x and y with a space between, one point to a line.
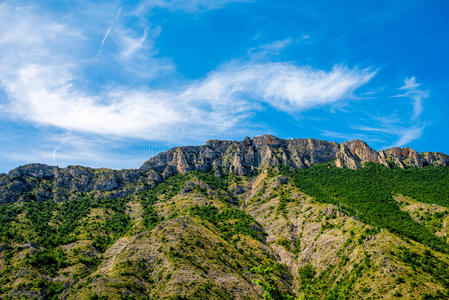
283 234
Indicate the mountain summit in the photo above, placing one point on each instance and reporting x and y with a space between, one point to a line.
247 157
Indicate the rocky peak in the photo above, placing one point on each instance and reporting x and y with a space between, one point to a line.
403 157
268 140
353 153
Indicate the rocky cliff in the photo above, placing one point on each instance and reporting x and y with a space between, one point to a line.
251 155
247 157
40 182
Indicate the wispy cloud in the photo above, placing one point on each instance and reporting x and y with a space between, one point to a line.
408 135
130 44
404 135
411 91
270 49
347 136
284 86
275 48
390 128
192 6
60 145
405 130
45 95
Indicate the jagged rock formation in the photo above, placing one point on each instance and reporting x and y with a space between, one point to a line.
39 182
246 157
250 155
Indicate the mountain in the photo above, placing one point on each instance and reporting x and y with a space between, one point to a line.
261 218
36 181
246 157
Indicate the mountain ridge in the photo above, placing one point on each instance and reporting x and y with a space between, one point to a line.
243 158
174 230
260 151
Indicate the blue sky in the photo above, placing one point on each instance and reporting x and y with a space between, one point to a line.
110 83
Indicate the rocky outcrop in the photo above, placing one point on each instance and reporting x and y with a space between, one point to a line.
353 153
435 158
250 155
247 157
403 157
40 182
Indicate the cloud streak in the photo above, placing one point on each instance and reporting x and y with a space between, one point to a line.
61 144
108 31
412 91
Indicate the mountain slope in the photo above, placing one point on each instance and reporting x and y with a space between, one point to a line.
320 231
200 236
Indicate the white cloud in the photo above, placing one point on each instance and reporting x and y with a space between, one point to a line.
395 127
45 95
191 6
71 149
404 135
282 85
345 136
412 91
410 84
42 86
137 53
276 48
43 57
270 49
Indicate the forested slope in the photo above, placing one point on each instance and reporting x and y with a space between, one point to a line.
322 232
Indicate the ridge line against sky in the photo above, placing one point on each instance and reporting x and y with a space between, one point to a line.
100 83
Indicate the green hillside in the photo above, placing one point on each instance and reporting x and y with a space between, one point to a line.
316 233
367 194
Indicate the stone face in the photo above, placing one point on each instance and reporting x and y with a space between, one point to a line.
40 182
